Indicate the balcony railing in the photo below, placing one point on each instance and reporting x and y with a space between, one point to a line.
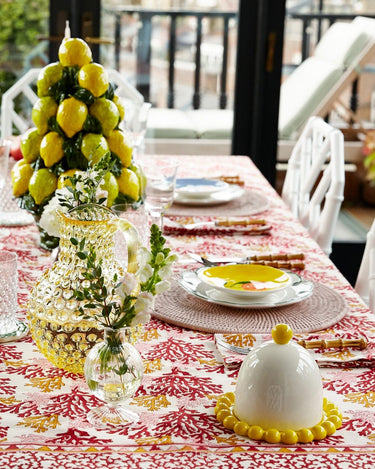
143 51
314 17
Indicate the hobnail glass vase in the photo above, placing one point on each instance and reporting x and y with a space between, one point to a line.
56 325
113 372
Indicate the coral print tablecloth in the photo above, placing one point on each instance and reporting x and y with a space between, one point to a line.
43 409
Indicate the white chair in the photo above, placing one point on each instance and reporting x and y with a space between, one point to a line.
365 283
316 200
10 118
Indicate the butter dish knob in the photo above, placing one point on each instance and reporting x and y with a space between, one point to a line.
282 334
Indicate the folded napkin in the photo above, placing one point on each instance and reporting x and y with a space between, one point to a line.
334 357
179 227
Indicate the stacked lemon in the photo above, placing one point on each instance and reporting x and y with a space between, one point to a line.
76 121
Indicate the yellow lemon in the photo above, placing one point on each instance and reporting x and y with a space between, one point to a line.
94 147
71 115
47 77
94 78
20 176
119 142
74 51
120 106
51 148
63 178
128 183
110 185
30 143
106 112
43 110
141 177
42 184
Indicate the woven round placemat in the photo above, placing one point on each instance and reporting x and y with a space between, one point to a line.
250 203
321 310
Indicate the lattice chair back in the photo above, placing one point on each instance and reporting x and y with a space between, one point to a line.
10 119
315 179
365 283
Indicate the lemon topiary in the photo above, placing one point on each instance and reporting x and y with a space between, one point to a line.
76 124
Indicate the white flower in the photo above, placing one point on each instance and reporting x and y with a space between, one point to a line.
144 302
159 258
127 285
145 273
143 256
140 318
162 286
165 272
101 194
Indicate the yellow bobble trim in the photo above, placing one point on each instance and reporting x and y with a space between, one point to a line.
331 421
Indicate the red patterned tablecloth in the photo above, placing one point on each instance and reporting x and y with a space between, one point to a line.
43 409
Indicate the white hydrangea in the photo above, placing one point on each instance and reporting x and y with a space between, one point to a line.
49 220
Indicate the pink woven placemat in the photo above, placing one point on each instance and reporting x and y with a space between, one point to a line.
250 203
321 310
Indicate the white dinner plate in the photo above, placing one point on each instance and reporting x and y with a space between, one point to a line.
231 193
197 188
299 290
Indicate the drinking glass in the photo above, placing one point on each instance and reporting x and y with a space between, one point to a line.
160 187
10 327
10 213
135 122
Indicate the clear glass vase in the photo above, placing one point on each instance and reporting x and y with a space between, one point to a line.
56 325
113 372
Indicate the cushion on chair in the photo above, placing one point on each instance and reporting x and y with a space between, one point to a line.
303 91
342 44
169 123
212 123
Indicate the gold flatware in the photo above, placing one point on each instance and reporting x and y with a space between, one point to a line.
334 343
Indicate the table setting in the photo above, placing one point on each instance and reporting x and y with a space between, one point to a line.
145 357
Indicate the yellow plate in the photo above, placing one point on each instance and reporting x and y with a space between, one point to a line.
245 279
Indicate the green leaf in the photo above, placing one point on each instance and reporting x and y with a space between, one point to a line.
84 95
92 125
74 241
82 255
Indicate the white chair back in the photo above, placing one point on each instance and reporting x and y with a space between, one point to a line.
10 118
365 283
316 200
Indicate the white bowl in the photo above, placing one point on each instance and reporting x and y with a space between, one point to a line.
279 386
245 280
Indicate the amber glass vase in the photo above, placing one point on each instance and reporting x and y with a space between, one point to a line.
56 325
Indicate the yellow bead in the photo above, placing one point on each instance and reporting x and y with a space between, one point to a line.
335 420
255 432
272 435
335 412
289 437
329 406
229 422
305 435
224 400
329 427
222 414
241 428
230 396
319 432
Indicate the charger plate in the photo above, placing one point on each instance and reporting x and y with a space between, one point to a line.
321 310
